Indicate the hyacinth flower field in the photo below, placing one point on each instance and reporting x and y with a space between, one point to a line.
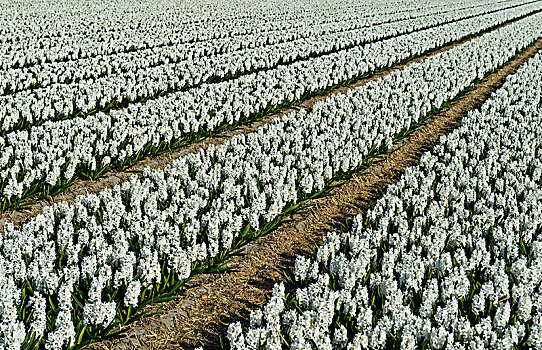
248 174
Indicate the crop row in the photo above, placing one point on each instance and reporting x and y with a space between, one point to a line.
137 79
65 34
48 157
49 27
450 257
74 272
135 63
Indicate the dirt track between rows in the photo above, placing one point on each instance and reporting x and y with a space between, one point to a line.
211 302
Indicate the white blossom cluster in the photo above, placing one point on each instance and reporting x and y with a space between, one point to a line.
129 77
52 31
55 151
449 258
128 236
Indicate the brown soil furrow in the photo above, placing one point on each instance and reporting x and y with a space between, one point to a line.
211 302
112 178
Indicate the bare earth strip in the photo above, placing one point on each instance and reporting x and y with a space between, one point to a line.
211 302
112 178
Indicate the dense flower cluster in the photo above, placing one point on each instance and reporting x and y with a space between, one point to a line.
131 236
41 32
450 257
44 32
53 152
17 79
129 77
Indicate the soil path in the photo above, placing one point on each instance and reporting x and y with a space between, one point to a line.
211 302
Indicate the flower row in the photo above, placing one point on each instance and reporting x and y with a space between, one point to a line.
80 267
136 77
65 30
450 257
42 75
